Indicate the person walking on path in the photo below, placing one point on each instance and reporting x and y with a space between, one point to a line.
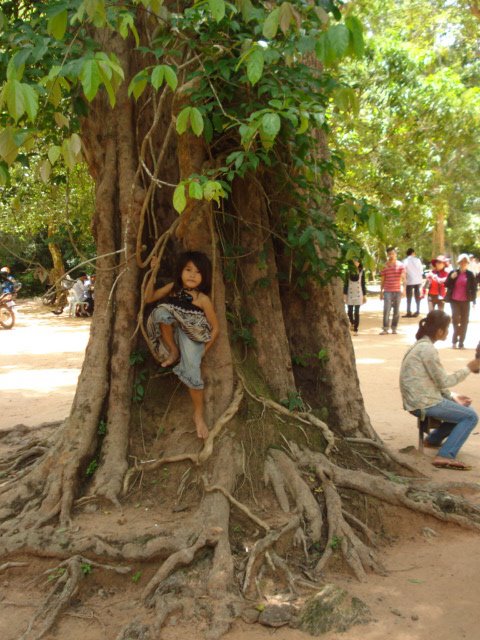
354 293
392 288
435 283
461 290
424 387
414 276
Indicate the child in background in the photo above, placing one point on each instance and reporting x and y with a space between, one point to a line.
355 292
435 284
184 325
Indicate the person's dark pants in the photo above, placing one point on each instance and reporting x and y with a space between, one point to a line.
413 289
354 315
460 314
435 301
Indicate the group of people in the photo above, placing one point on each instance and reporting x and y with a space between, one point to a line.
441 284
424 383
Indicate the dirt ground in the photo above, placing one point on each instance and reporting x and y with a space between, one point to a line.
433 580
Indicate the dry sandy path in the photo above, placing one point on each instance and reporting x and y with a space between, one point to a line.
433 585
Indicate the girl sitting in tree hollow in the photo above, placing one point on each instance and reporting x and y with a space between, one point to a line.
184 325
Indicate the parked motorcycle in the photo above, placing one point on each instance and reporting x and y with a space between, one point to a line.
7 315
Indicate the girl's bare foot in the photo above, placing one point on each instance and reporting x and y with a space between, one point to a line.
172 358
202 429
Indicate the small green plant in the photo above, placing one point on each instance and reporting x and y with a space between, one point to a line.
136 577
56 573
92 467
86 568
137 357
293 402
102 428
335 542
139 386
305 359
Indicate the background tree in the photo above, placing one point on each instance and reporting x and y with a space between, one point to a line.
412 149
218 113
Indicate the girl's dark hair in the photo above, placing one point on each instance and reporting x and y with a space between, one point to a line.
432 323
202 263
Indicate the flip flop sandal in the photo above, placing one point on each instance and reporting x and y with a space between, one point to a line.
452 465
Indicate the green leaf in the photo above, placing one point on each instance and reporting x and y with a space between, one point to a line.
138 84
246 9
195 190
286 17
90 79
45 170
76 143
304 122
271 124
338 38
196 121
217 9
158 74
213 190
61 120
53 154
69 157
8 146
356 35
171 78
182 119
15 98
179 199
3 175
30 97
255 62
270 26
57 25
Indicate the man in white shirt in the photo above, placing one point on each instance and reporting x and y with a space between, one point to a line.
414 274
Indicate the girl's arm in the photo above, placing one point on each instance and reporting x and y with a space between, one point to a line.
207 306
151 294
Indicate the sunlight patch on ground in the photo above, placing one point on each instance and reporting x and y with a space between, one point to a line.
38 382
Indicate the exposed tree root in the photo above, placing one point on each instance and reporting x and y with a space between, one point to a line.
195 458
10 565
388 453
68 575
300 416
356 554
283 474
261 547
442 506
244 509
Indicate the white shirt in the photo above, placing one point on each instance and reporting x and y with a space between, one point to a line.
414 270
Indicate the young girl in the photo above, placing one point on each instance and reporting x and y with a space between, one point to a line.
184 325
355 292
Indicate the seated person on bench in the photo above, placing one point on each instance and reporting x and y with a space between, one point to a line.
424 386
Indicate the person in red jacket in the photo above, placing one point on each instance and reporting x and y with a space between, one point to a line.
435 284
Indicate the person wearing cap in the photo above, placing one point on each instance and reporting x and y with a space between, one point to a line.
435 283
461 291
414 274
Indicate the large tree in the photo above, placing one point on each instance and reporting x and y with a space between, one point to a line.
215 112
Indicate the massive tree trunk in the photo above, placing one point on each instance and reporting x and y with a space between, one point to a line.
282 391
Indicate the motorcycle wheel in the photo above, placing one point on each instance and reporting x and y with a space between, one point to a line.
7 318
58 311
